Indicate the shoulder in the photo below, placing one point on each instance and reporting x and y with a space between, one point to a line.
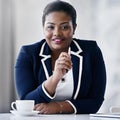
86 45
33 48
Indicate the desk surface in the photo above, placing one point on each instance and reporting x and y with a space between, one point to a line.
9 116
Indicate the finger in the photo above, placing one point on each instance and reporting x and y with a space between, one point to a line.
43 111
64 67
39 107
43 108
64 64
64 54
36 106
64 60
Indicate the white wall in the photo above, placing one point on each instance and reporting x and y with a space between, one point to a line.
108 23
7 92
28 21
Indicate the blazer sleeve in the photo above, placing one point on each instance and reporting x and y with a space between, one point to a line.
25 79
92 102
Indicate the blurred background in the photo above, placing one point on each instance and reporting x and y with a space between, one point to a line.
20 24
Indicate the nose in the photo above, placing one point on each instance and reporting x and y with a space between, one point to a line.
57 32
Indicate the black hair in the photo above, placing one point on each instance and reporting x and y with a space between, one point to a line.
59 5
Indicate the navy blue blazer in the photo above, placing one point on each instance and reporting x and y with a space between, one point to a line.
33 67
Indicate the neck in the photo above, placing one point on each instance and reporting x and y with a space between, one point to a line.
56 53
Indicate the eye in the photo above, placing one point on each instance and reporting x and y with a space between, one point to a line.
65 27
50 27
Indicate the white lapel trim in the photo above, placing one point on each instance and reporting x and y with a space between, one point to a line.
80 74
80 66
41 51
45 57
44 66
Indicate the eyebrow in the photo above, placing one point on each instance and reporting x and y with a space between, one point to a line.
60 24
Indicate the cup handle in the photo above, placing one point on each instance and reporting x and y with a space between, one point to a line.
13 104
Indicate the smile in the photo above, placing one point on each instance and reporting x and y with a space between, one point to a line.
58 40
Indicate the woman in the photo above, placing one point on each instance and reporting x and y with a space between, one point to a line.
62 74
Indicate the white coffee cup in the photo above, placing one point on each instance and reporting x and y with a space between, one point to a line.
23 105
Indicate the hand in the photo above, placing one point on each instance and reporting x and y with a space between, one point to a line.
47 108
62 65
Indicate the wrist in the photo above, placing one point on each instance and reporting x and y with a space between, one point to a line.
60 105
50 85
56 77
64 108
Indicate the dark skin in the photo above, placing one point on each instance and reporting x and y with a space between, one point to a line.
58 31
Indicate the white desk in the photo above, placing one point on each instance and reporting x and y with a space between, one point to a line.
9 116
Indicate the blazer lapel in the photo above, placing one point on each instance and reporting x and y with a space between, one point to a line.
46 60
77 59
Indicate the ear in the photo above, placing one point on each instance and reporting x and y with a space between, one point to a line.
74 28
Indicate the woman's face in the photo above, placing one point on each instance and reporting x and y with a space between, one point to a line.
58 31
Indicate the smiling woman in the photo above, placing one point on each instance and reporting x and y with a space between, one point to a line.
40 67
58 31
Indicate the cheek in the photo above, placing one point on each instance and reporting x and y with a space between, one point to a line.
47 34
68 34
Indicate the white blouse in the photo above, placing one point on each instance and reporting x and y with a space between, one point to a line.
65 87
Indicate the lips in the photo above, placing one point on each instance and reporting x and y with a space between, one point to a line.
58 40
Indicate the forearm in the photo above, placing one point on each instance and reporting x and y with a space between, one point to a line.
50 85
54 108
65 107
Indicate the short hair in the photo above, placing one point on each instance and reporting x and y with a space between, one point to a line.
58 6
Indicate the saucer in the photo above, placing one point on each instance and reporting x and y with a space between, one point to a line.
15 112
